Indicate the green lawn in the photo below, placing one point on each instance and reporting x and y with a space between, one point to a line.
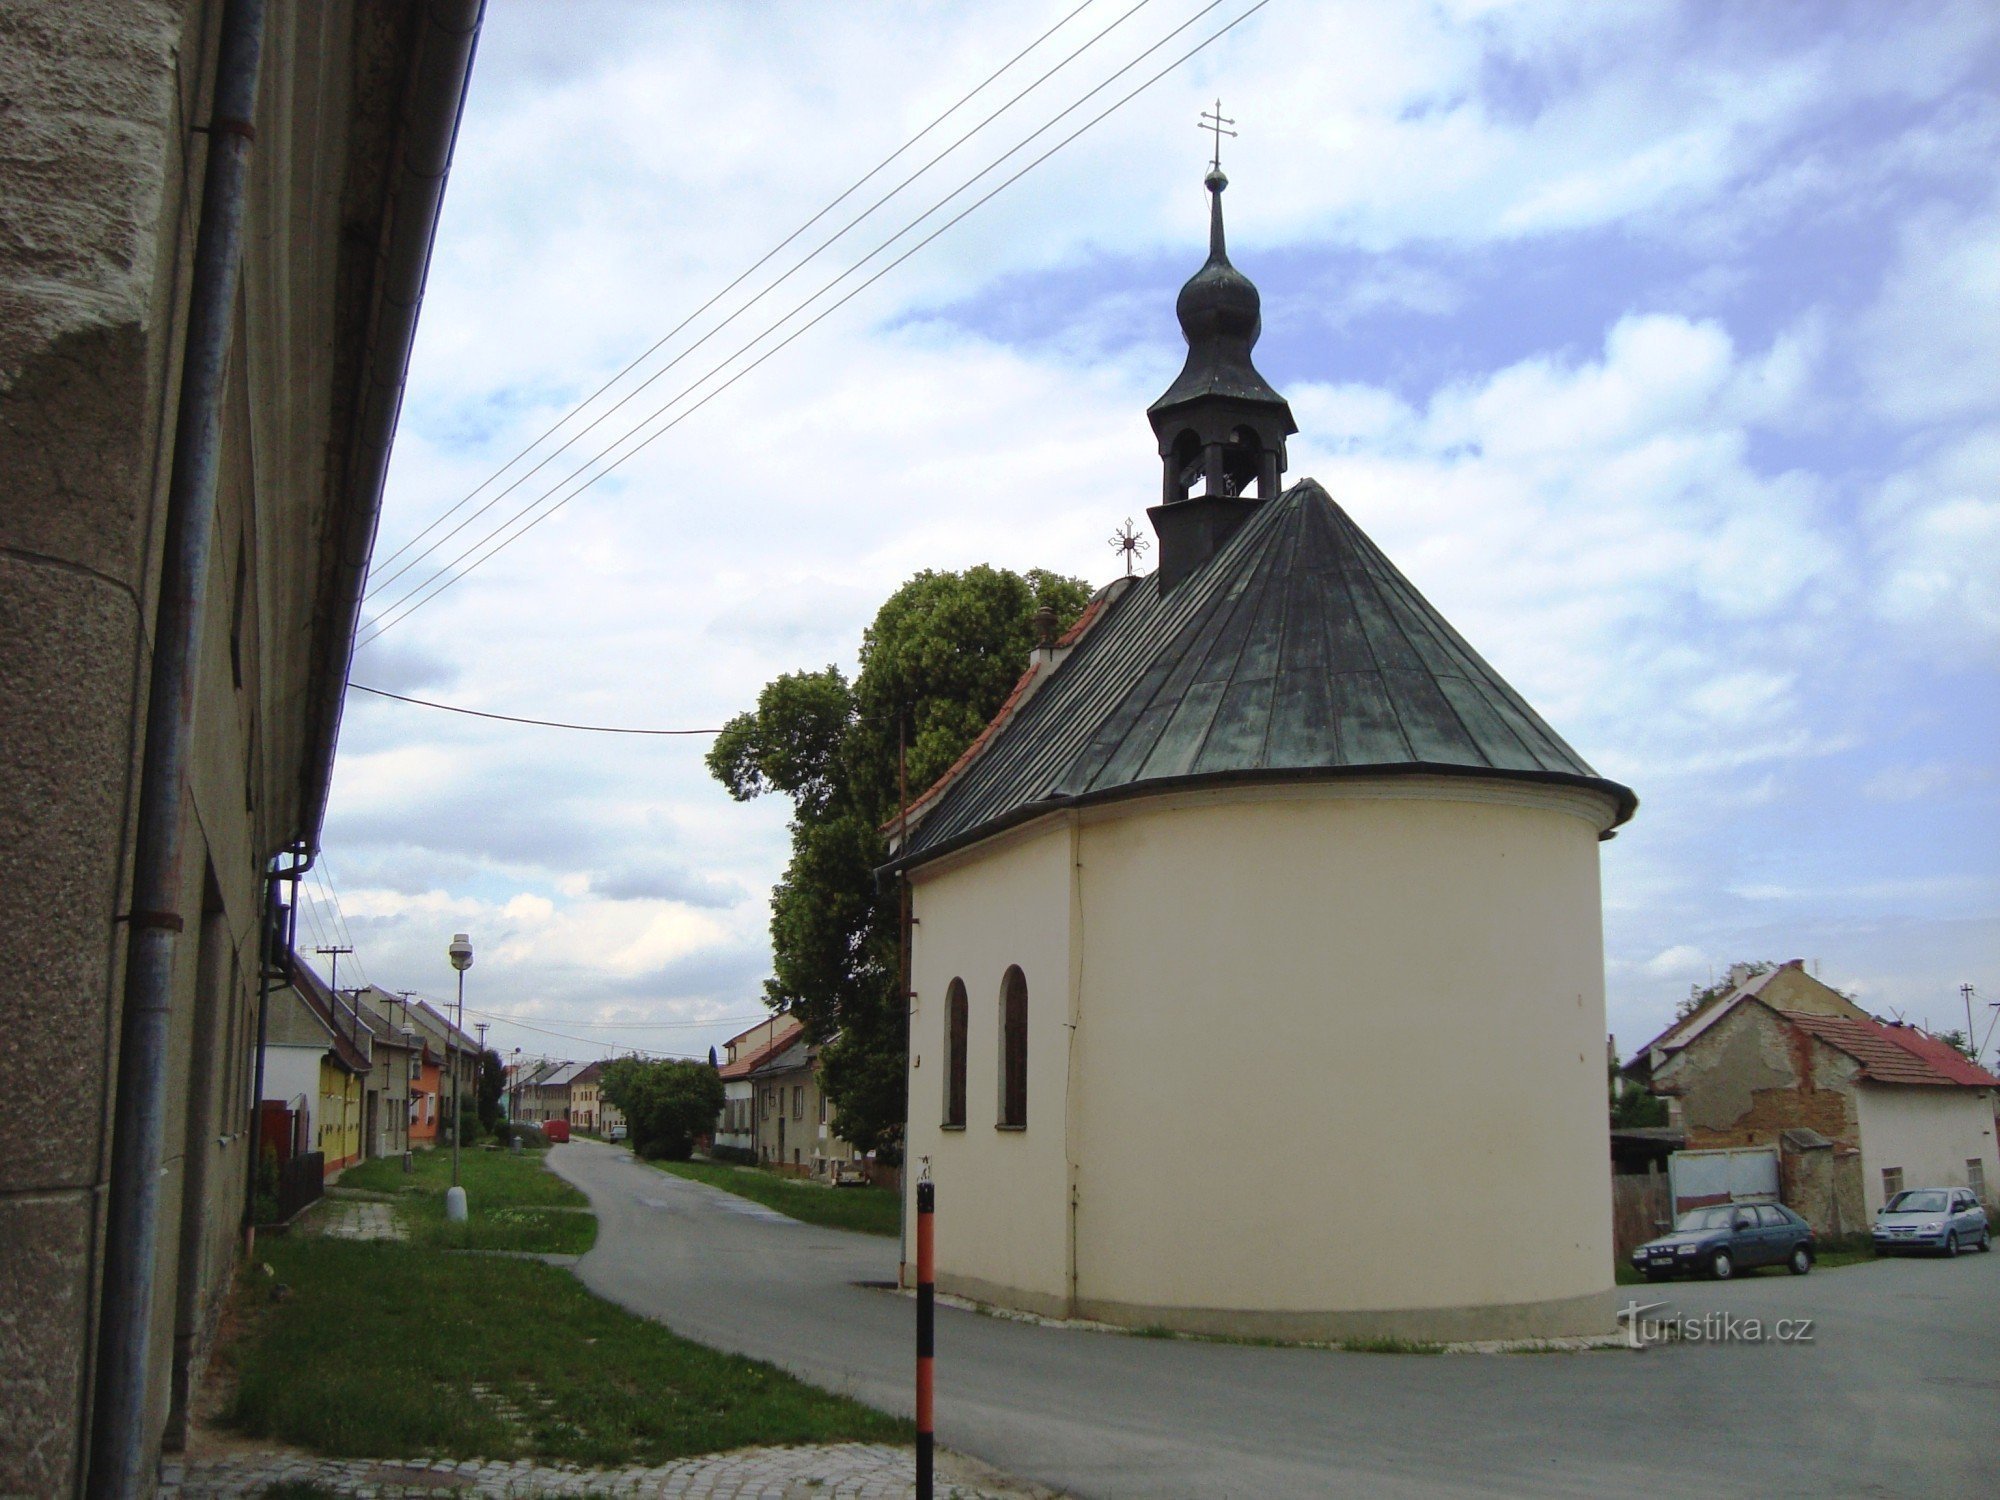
395 1350
870 1210
514 1201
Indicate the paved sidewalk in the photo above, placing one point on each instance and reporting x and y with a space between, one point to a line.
357 1219
844 1471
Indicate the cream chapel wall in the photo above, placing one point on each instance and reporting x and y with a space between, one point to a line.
1322 1031
1002 1225
1928 1132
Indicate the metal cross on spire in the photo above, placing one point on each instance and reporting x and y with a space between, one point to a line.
1215 122
1126 539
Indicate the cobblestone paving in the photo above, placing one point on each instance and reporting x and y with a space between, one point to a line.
844 1471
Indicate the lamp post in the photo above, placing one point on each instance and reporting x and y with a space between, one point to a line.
460 953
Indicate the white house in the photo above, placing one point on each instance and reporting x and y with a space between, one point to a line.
1257 959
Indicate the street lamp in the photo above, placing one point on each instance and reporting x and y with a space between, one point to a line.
460 953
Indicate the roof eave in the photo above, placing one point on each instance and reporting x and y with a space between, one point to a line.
1624 799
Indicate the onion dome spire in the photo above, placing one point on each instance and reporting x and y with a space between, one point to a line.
1220 425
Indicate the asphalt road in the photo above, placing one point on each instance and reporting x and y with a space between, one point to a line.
1898 1393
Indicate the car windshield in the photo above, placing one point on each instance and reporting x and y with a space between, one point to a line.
1919 1201
1704 1218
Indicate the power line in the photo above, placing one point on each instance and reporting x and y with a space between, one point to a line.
761 262
517 1020
410 602
452 708
377 586
324 871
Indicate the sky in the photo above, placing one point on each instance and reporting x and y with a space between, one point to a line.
1659 345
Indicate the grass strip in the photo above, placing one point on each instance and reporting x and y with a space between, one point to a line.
866 1210
386 1350
514 1201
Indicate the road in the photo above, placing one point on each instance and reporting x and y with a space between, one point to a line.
1897 1394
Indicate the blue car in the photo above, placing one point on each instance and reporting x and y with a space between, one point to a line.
1946 1220
1729 1237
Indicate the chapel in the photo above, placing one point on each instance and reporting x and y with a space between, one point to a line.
1256 948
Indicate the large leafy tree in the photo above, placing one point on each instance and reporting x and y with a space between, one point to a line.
941 656
666 1104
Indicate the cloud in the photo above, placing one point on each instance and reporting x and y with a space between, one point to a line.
1648 341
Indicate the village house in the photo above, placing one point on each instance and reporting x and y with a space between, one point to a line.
1854 1108
589 1109
219 228
792 1126
424 1063
1263 819
445 1047
736 1126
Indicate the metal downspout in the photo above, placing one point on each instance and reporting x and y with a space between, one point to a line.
119 1450
273 942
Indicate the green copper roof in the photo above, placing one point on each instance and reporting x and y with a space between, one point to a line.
1298 651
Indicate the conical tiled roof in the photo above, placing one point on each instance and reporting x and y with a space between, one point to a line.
1297 652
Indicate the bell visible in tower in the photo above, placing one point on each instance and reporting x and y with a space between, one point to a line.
1220 425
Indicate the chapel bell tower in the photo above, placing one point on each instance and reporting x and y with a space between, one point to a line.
1220 426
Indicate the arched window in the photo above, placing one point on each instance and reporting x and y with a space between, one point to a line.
957 1031
1014 1050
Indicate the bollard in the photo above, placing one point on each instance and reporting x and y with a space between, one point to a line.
926 1332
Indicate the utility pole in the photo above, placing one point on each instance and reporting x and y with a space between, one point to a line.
334 952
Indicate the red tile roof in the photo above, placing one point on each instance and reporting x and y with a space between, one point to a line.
1896 1054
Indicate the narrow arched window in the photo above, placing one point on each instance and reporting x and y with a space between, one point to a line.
1014 1050
957 1028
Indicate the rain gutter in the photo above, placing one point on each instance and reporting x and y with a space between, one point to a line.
447 38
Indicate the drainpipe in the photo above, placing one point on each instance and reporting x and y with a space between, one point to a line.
119 1450
273 942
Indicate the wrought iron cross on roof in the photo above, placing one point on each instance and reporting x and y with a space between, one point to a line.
1215 122
1126 539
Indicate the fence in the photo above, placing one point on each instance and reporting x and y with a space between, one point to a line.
1640 1210
300 1181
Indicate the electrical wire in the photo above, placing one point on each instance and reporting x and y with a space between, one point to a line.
411 602
517 1020
390 616
324 871
452 708
761 262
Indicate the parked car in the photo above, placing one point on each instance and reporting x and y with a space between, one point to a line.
614 1132
1726 1238
1934 1218
556 1130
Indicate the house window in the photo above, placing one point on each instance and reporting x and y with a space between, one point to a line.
1975 1177
798 1103
1892 1182
822 1109
767 1104
958 1029
1014 1050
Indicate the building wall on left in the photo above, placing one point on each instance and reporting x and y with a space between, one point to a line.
99 198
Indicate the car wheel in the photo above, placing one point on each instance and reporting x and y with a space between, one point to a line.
1801 1261
1722 1267
1985 1240
1951 1244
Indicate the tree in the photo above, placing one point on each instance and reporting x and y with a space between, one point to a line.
939 659
1633 1107
666 1104
492 1082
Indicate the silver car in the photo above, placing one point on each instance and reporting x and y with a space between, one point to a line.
1935 1218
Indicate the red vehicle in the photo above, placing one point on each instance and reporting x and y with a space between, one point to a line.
556 1130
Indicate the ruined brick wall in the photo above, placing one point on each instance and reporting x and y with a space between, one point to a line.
1753 1076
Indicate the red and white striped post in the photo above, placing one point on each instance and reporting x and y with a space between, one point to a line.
926 1332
